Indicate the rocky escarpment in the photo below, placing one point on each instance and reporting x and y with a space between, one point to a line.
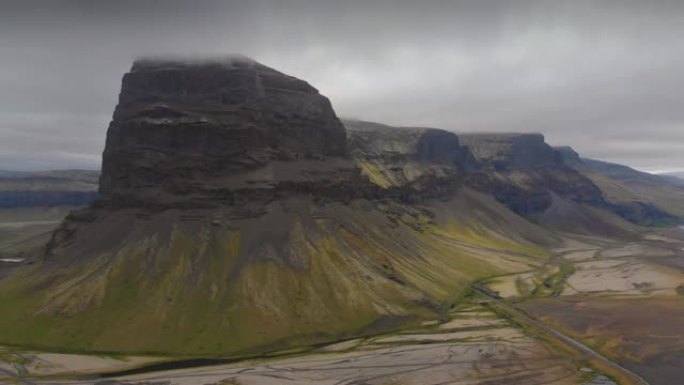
505 152
520 170
523 172
408 163
187 132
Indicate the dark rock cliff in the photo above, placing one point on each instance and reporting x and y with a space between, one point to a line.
501 152
523 171
408 163
184 129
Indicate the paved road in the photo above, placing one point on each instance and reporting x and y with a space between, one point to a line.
584 349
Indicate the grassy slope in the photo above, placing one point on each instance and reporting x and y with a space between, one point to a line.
332 271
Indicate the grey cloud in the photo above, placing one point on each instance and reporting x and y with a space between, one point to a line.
604 77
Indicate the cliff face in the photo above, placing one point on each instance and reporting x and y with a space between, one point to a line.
502 152
523 172
407 163
183 131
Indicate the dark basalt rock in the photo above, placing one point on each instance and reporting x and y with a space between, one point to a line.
180 123
522 171
370 141
229 133
439 146
511 151
569 156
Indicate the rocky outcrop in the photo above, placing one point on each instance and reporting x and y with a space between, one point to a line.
202 134
188 131
569 156
523 171
501 152
422 162
368 141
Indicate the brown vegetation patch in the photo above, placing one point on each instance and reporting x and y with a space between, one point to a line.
646 333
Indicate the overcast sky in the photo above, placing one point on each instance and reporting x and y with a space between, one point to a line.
605 77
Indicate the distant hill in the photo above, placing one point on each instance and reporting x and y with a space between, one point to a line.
677 174
47 188
8 173
626 186
32 204
625 173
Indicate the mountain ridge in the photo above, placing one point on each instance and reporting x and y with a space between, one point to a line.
624 186
47 188
237 214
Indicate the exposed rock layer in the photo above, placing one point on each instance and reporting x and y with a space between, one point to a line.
184 128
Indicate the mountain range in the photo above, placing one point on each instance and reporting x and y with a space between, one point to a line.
675 174
237 214
47 188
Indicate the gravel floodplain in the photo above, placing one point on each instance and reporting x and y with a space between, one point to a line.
474 347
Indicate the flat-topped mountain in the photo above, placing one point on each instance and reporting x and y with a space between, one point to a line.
511 151
237 214
525 173
184 130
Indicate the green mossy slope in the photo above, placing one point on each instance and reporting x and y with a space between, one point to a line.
303 273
